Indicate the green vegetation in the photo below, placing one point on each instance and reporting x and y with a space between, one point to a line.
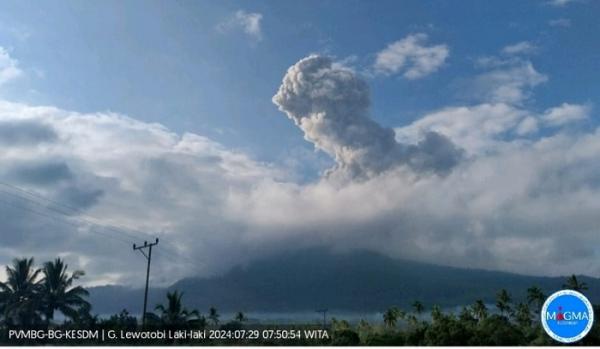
175 315
507 324
30 298
574 284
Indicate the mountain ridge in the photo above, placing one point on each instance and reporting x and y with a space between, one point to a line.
347 281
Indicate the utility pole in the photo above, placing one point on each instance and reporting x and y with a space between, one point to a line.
324 311
149 259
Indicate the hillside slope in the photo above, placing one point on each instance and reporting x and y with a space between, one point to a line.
354 281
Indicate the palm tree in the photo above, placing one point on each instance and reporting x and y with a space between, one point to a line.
390 317
466 315
418 306
479 310
523 315
364 330
364 325
574 284
536 297
19 294
503 302
85 317
174 313
436 313
240 317
58 292
213 315
339 325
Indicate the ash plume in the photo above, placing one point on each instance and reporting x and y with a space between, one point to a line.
330 104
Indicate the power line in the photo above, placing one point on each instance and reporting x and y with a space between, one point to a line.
63 221
82 217
71 217
80 212
173 257
176 258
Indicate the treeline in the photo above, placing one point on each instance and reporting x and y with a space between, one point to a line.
505 323
30 297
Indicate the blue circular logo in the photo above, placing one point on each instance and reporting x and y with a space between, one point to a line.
567 316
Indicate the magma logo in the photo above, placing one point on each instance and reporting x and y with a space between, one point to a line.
567 316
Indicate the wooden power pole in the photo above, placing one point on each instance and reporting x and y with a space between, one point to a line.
324 311
148 256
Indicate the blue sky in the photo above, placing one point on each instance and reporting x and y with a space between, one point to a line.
167 62
447 132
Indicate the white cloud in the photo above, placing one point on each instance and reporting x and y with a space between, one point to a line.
510 82
523 47
248 22
9 69
215 207
565 114
487 212
560 22
494 211
560 3
128 173
411 57
483 128
477 129
527 126
507 78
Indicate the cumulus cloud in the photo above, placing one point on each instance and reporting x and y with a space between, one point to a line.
518 199
8 67
247 22
476 128
497 211
411 57
330 104
506 78
523 47
486 127
527 126
45 172
127 173
25 133
510 81
565 114
490 211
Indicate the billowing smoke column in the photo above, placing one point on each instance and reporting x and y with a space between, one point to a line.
330 104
